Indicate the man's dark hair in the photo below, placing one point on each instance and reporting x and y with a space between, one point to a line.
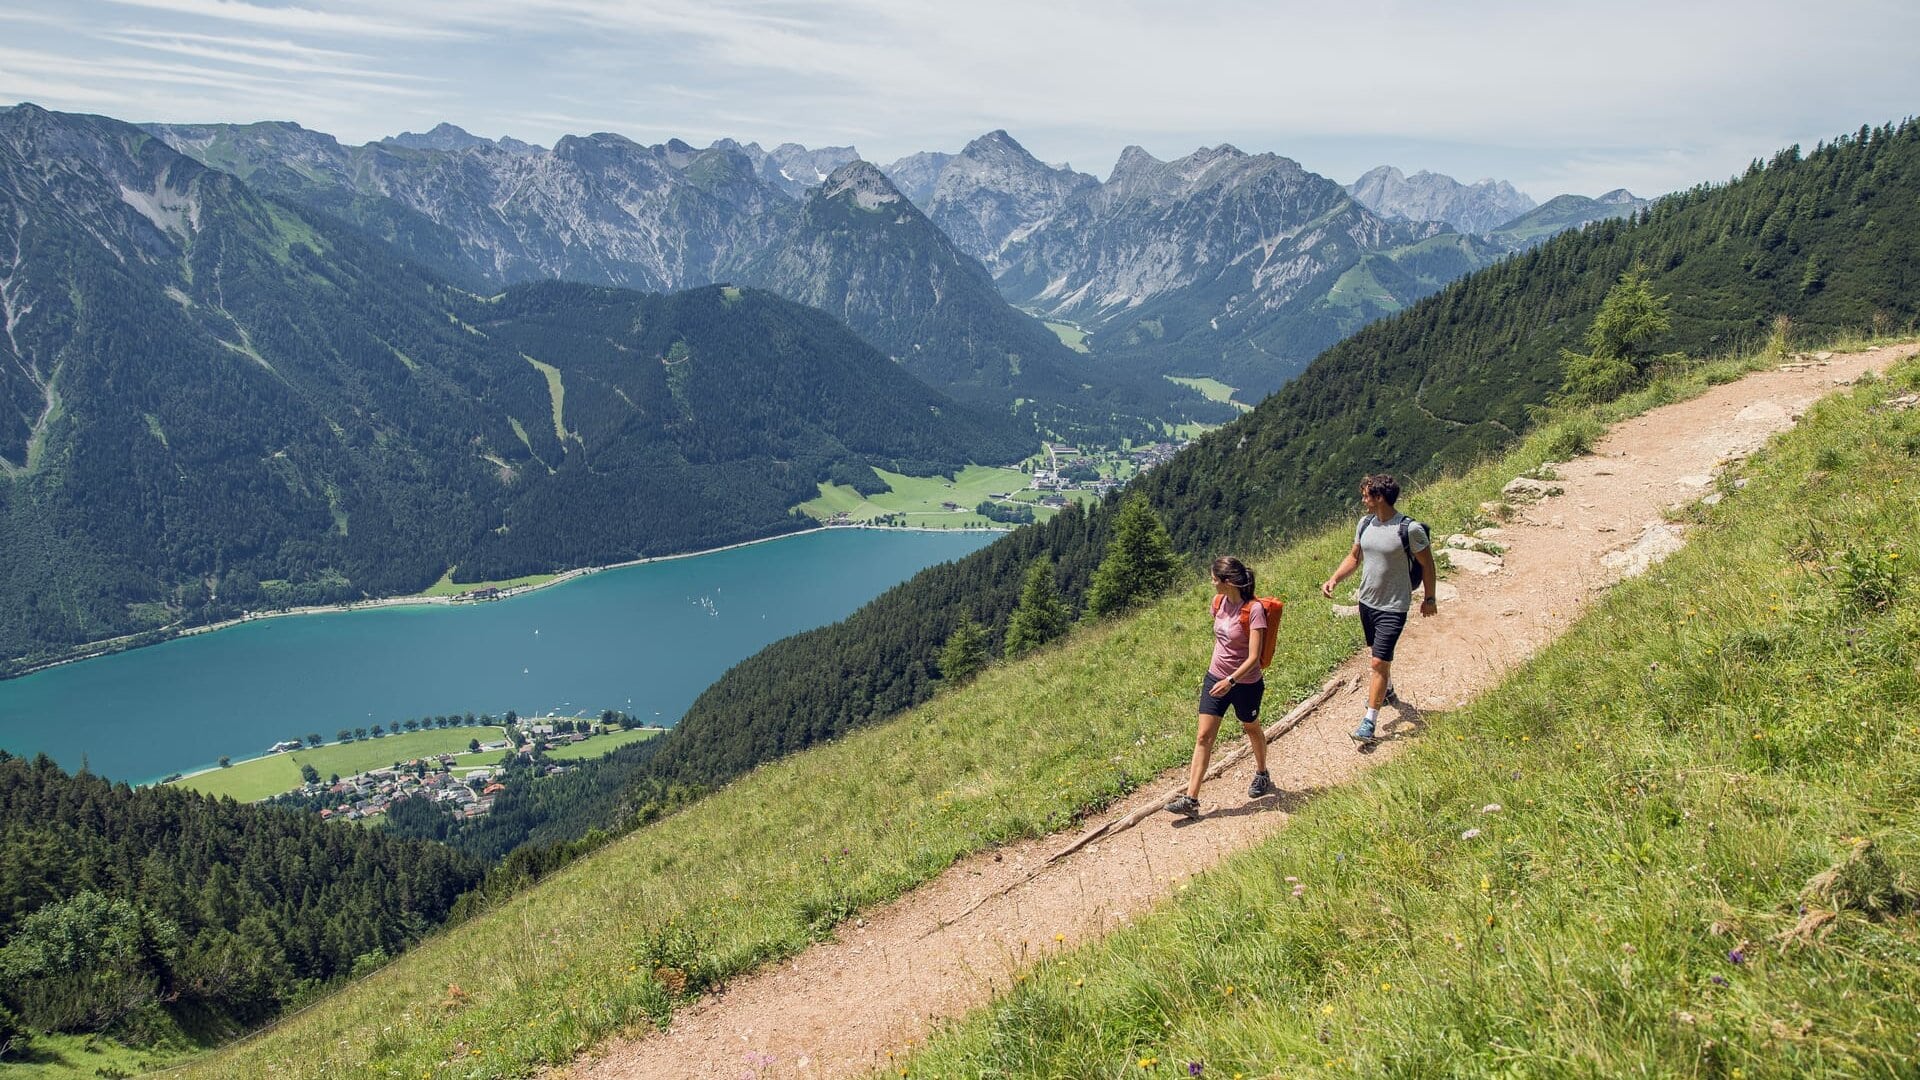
1382 485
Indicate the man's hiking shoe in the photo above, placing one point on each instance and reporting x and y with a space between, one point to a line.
1364 733
1262 785
1184 805
1392 698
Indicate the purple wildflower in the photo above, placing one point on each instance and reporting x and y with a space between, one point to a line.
1194 1068
1719 980
1738 955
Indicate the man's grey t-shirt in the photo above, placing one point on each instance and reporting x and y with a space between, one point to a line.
1386 581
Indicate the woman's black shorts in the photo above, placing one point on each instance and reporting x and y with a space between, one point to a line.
1382 629
1244 697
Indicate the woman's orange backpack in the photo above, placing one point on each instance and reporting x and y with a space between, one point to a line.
1275 607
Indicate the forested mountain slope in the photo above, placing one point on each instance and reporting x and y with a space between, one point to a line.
136 912
212 401
604 210
1831 240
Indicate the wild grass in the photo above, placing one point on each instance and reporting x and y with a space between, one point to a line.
446 586
1070 335
1684 841
258 778
1211 389
920 498
601 744
778 858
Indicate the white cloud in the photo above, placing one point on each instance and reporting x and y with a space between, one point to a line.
1647 94
297 19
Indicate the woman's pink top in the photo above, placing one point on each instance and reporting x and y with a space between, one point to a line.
1231 638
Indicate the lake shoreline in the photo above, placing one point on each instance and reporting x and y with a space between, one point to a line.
105 648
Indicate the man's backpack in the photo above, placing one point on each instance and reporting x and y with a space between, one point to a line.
1415 571
1275 608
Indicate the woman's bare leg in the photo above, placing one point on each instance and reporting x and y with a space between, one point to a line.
1257 737
1208 727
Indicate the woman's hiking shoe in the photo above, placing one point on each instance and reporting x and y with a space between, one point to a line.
1364 733
1262 785
1184 805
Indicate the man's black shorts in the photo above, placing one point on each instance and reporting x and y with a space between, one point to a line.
1244 697
1382 629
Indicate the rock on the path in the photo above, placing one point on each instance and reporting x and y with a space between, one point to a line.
1761 412
1657 541
1445 593
1475 562
1491 532
1698 480
1525 489
1346 611
1463 542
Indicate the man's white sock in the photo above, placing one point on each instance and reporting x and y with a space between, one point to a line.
1372 715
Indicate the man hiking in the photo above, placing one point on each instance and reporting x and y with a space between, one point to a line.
1388 548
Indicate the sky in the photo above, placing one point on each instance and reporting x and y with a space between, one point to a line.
1651 95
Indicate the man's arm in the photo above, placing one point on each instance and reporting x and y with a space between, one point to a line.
1347 567
1430 580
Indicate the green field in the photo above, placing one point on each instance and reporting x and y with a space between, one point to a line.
446 586
1070 335
601 744
1214 389
260 778
919 497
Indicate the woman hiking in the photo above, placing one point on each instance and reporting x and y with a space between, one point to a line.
1233 678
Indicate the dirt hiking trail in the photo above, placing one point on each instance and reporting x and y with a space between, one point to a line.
841 1007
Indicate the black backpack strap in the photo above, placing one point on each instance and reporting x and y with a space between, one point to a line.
1405 544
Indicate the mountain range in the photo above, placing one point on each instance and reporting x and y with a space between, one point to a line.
212 399
1237 266
1479 207
604 210
1222 264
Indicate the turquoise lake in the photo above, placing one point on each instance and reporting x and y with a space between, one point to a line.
642 639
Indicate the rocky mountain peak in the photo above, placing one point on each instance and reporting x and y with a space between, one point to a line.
916 174
1429 196
1621 196
862 182
1133 161
994 142
444 136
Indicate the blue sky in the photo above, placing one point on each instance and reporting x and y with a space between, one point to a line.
1553 96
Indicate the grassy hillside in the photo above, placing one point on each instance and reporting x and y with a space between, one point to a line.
1438 387
1684 841
634 929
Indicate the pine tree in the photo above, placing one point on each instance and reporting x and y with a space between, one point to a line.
1139 564
965 652
1620 342
1040 616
